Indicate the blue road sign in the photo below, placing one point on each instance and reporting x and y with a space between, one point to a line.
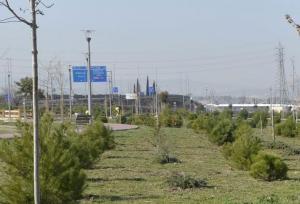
115 90
98 74
151 90
79 74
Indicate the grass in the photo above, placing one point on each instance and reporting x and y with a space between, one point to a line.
130 174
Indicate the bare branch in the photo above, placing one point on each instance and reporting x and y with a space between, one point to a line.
20 19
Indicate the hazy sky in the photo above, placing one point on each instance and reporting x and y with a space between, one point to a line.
226 46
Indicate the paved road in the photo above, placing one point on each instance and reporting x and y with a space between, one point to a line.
113 126
7 135
119 127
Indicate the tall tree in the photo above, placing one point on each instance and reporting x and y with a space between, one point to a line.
25 86
32 24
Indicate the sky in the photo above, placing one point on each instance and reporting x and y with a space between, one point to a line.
220 47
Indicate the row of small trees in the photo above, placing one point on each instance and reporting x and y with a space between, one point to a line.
64 154
239 145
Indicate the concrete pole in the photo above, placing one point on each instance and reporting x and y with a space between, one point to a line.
9 96
70 94
272 115
110 95
89 76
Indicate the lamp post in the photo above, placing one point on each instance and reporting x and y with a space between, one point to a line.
291 21
88 34
70 94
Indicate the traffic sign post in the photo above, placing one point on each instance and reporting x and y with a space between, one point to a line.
98 74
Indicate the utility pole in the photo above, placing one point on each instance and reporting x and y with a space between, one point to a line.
110 93
70 93
9 88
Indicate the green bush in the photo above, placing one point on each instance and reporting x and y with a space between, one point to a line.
244 148
243 129
226 114
243 114
93 141
61 178
259 118
277 117
99 114
204 122
287 128
180 180
146 119
269 199
168 118
268 167
192 116
222 132
243 151
167 159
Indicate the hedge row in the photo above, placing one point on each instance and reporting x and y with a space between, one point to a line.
239 144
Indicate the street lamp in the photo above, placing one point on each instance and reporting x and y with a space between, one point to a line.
292 22
297 26
88 35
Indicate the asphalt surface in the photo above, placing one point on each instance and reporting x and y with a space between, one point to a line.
112 126
120 127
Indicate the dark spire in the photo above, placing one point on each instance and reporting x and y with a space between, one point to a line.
147 87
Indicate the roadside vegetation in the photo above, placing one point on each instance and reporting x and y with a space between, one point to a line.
203 157
64 156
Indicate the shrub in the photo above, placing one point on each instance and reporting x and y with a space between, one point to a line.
180 180
93 141
99 114
227 113
269 199
244 148
268 167
61 178
204 122
227 150
277 117
222 132
192 116
168 118
288 128
167 159
243 114
259 118
243 129
147 120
